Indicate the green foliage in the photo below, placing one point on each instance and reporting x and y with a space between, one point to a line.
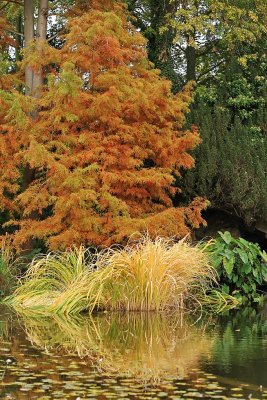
195 39
150 18
231 163
241 266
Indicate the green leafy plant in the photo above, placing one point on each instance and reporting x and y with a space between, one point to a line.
241 266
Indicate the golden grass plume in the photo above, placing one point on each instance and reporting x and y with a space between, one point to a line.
146 275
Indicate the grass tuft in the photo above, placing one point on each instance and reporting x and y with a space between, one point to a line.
8 267
155 275
149 275
49 278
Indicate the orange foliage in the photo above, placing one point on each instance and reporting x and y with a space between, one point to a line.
107 141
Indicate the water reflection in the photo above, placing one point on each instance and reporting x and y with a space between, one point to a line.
143 344
240 344
133 356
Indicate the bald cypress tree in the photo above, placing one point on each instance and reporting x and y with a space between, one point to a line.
105 142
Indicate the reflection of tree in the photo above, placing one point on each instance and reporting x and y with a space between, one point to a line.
147 344
238 342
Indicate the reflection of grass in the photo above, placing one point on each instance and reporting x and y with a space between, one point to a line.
144 344
146 275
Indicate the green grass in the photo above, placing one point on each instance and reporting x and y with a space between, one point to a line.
160 274
8 268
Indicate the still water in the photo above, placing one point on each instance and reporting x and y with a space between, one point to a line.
134 356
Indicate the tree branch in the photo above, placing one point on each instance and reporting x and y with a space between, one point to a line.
54 36
210 69
203 50
13 1
16 33
3 6
180 47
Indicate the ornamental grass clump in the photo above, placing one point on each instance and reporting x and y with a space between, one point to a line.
149 275
49 278
145 275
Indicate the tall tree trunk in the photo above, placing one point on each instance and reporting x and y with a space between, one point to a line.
41 32
190 54
34 81
28 36
160 44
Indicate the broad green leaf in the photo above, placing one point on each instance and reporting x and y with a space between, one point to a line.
243 255
235 278
226 236
264 255
225 288
255 272
237 295
247 268
251 257
261 300
244 242
216 261
228 253
264 271
253 285
228 265
246 288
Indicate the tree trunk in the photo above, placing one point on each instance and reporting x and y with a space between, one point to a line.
190 54
28 36
41 32
34 81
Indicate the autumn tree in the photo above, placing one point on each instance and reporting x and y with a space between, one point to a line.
104 137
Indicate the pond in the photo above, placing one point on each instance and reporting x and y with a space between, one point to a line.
134 356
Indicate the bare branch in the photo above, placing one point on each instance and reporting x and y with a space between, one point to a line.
16 33
54 36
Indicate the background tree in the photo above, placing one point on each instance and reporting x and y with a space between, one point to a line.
231 166
221 45
104 138
196 38
24 27
150 17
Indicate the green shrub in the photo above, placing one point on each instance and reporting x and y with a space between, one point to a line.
241 266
